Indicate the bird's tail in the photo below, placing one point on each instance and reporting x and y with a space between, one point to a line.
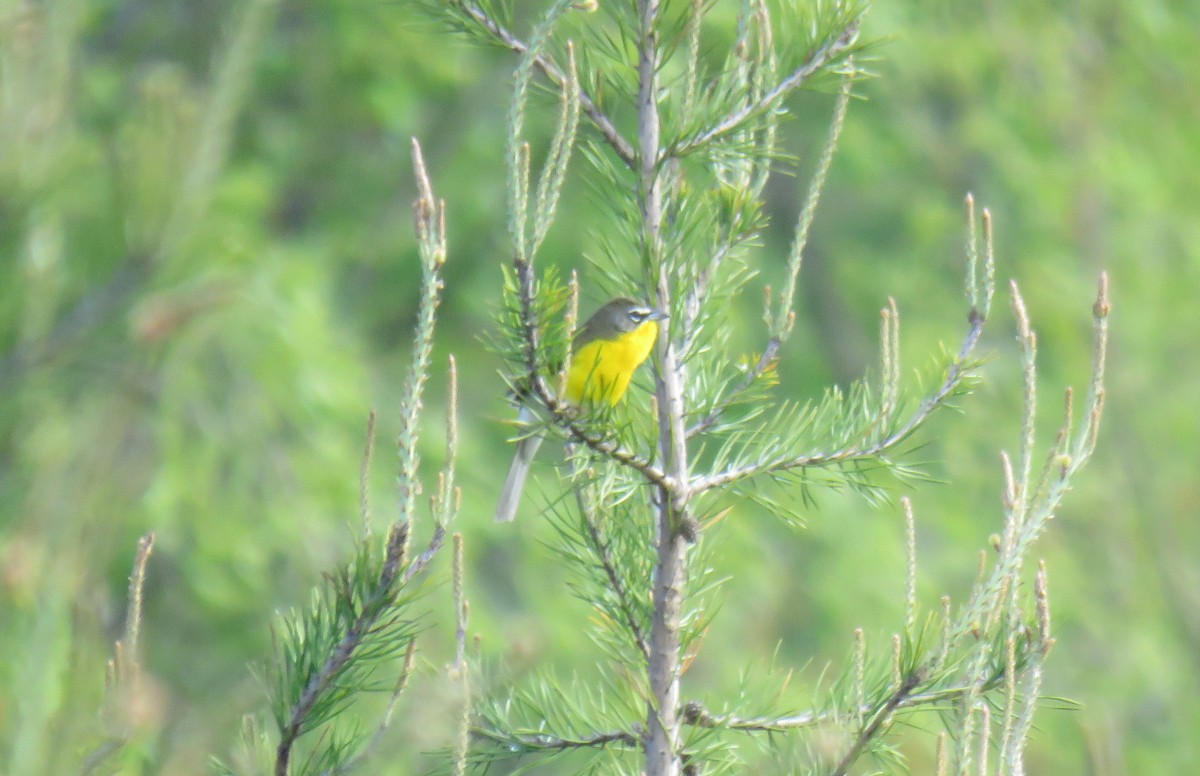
510 495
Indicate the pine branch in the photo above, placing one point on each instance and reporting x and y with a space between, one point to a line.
781 325
765 361
1028 507
372 611
878 720
819 58
547 66
540 741
361 606
696 715
692 304
601 550
385 722
957 371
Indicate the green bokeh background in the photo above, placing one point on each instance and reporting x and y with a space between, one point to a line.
207 376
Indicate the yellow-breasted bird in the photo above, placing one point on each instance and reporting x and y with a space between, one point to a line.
607 350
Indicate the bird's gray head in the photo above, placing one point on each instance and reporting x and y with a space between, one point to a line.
623 314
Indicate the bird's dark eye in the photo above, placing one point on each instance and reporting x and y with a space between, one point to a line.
638 315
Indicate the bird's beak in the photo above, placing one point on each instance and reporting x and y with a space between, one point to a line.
658 315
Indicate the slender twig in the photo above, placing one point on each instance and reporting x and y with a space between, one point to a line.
699 289
818 59
692 69
601 550
785 317
460 606
364 476
429 221
696 715
764 362
868 733
542 741
691 313
461 671
910 587
448 496
124 669
133 617
603 123
565 417
385 723
421 561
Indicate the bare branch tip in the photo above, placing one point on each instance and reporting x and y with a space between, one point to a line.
1102 307
1019 310
1010 481
145 547
422 175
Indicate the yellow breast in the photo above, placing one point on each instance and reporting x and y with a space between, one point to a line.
601 369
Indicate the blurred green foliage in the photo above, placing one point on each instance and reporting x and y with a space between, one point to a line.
207 278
